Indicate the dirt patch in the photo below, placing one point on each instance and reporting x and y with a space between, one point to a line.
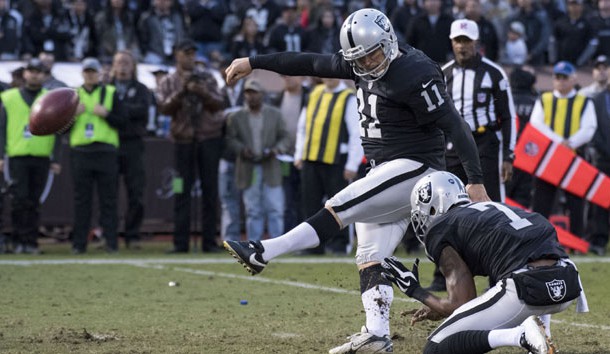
75 337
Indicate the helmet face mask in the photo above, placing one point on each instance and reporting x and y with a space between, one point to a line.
362 34
432 196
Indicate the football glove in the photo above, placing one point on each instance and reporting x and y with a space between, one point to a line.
406 280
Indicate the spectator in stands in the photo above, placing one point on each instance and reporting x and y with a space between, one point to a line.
286 35
161 121
135 100
429 32
600 78
94 142
538 29
328 151
256 135
515 48
115 27
195 102
230 195
572 34
601 29
84 39
29 157
291 102
247 42
11 30
323 36
206 19
402 16
458 10
47 29
159 29
304 10
497 11
48 61
264 13
488 38
572 128
522 81
600 223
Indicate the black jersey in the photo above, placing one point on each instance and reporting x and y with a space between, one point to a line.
494 239
398 112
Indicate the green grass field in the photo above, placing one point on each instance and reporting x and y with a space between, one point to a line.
59 303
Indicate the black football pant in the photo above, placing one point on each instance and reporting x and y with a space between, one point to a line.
600 216
192 160
320 180
95 170
519 188
131 166
489 154
291 183
544 203
28 178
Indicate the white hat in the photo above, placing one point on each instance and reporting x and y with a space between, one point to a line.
466 28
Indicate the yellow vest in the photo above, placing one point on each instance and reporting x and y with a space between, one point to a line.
325 126
89 128
19 140
563 115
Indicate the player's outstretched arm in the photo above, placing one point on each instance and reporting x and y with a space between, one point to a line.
238 69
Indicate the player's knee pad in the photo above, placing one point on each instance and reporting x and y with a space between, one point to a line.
324 223
370 277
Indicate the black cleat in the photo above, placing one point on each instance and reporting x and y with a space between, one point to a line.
248 253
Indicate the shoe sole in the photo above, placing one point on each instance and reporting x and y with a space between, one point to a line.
235 255
552 348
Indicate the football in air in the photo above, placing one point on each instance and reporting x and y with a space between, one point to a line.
53 112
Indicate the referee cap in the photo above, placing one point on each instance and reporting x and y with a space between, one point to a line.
464 27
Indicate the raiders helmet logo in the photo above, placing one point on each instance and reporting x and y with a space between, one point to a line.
382 22
557 289
425 193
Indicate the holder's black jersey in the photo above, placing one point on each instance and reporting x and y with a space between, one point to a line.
401 114
494 239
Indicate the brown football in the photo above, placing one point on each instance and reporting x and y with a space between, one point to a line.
54 111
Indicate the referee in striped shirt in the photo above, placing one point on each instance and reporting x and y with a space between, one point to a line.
481 94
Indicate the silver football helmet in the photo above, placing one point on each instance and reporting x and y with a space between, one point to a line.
432 196
363 32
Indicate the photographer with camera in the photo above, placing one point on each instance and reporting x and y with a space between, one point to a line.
195 102
256 134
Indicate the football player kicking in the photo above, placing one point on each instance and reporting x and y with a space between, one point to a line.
519 250
405 112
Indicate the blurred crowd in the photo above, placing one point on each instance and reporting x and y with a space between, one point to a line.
513 32
192 41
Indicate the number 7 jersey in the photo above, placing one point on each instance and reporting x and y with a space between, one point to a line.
494 239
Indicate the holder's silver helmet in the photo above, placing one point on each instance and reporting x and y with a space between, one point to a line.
432 196
362 33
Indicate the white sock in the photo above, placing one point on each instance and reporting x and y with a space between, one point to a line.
505 337
303 236
377 302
